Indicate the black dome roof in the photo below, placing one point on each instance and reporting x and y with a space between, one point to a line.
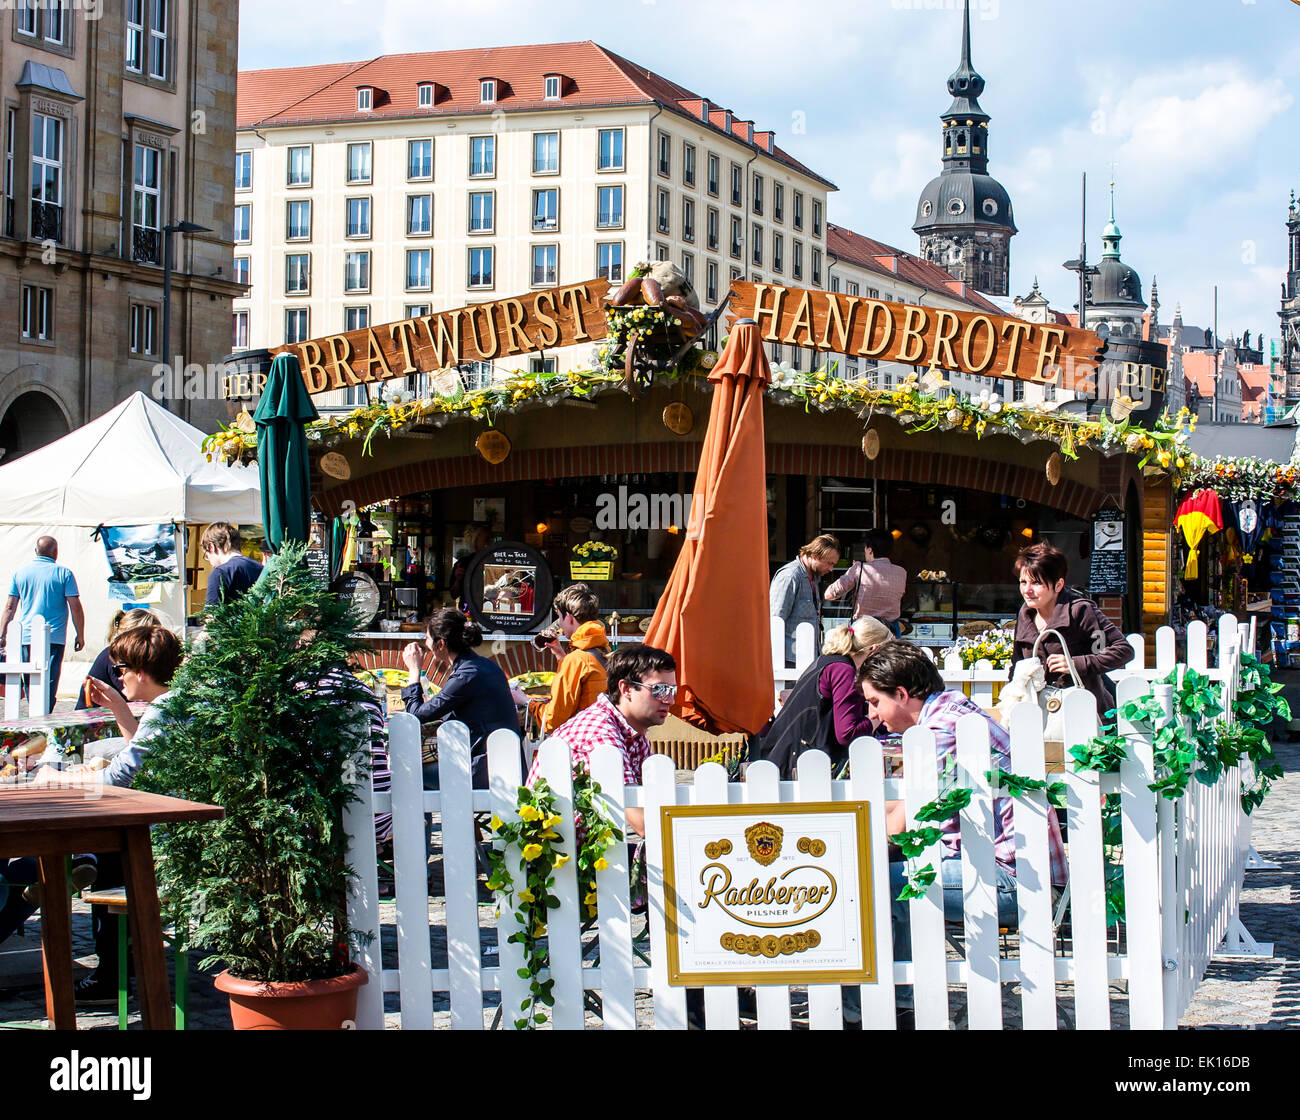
963 199
1115 282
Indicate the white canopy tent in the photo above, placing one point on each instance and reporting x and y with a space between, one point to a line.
136 465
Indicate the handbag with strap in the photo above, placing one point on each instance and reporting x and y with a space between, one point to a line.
1051 698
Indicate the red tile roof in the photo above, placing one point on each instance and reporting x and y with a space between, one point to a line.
1198 368
876 256
596 78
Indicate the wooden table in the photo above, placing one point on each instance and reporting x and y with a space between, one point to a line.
51 824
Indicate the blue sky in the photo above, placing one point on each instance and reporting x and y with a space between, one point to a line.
1195 101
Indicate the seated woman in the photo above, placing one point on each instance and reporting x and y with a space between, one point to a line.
102 667
474 691
826 709
145 658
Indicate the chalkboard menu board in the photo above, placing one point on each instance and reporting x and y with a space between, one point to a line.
1108 574
318 563
509 588
362 592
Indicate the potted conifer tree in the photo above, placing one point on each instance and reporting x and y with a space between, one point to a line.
258 723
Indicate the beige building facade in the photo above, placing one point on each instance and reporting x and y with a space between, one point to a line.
118 121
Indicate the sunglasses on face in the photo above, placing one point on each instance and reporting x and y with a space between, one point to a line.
120 669
658 691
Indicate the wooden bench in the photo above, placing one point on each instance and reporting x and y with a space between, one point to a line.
115 901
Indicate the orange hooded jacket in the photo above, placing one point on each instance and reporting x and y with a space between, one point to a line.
579 680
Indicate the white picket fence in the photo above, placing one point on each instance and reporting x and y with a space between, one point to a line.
1176 859
13 669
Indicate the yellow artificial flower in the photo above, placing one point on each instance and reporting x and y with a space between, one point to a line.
495 823
601 864
552 820
550 834
526 895
539 930
591 911
530 813
532 851
590 900
560 861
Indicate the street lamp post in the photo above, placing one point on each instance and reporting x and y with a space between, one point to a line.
168 356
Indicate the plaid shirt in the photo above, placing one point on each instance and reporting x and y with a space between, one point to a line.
880 585
940 714
601 724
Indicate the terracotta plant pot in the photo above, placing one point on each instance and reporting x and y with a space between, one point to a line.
309 1005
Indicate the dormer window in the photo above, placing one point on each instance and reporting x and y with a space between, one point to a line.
553 83
365 99
487 90
426 95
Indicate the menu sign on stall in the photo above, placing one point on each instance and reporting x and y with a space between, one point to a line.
509 588
769 894
1108 573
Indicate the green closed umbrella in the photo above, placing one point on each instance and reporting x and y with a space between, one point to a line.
282 453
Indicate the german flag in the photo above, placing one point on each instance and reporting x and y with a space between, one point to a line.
1199 514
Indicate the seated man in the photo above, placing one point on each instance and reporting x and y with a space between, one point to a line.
903 689
581 676
642 684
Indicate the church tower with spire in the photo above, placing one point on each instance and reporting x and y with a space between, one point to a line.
963 216
1290 312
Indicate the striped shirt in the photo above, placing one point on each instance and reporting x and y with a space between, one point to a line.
879 588
940 714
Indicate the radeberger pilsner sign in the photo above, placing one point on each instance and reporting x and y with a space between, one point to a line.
769 894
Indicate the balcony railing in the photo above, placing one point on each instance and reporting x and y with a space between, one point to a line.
47 221
146 245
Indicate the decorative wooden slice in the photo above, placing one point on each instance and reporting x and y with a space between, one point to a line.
336 465
871 443
678 418
1053 468
493 445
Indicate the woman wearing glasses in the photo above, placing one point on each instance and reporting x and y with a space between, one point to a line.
102 668
473 689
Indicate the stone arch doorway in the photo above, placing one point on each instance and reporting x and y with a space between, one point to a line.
31 421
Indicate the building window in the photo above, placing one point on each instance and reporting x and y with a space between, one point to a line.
358 217
610 157
299 226
295 325
419 159
688 267
552 87
545 264
737 185
661 251
711 282
419 214
243 270
365 99
663 220
10 124
243 171
796 260
47 178
798 210
835 283
297 274
419 270
665 153
482 157
416 310
541 365
778 253
425 95
851 369
737 238
476 375
480 268
796 357
688 219
817 267
135 35
146 235
546 210
299 167
609 261
487 91
757 235
714 234
41 19
159 47
1049 391
482 211
778 202
239 331
243 223
356 271
1018 390
356 318
758 193
714 173
609 208
546 153
688 164
359 162
817 218
851 287
38 313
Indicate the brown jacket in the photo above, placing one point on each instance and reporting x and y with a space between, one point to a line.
580 679
1079 621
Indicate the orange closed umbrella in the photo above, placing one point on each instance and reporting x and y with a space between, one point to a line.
713 616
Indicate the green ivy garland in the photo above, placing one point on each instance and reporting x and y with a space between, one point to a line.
534 839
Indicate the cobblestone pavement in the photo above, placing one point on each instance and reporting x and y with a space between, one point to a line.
1234 994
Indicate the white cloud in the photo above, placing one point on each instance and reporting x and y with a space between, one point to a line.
916 163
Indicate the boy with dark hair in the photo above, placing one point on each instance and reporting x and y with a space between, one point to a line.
233 573
642 685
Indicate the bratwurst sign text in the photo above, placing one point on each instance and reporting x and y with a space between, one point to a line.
969 341
481 332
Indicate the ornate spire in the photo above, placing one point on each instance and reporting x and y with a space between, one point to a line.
965 84
1111 235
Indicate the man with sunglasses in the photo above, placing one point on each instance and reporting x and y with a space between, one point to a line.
642 685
